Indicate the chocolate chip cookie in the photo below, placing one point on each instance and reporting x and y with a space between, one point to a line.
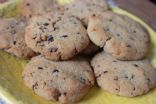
124 78
30 8
64 81
12 32
57 36
122 37
84 8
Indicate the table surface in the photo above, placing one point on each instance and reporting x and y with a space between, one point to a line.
144 9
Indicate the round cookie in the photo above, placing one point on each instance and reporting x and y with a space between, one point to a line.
64 81
31 8
12 32
122 37
124 78
56 36
91 49
85 8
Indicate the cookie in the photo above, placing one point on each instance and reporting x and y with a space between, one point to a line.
85 8
12 32
64 81
124 78
57 36
91 49
31 8
122 37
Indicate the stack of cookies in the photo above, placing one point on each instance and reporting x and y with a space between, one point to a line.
73 45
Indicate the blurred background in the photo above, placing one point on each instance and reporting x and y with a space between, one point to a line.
145 9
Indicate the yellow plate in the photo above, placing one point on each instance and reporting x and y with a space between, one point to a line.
14 91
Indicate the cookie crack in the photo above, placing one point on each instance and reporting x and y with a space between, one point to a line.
108 39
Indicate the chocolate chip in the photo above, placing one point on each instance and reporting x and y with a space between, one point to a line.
134 31
55 71
110 20
128 45
50 38
126 77
35 86
105 72
116 78
74 23
114 61
45 83
53 49
64 36
135 65
118 34
107 29
14 42
27 4
40 68
133 88
64 93
116 89
82 80
30 16
78 33
46 24
132 76
93 15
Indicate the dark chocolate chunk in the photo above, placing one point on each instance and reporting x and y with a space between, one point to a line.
50 38
135 65
105 72
82 80
128 45
74 23
78 33
35 86
30 16
40 68
46 24
53 49
116 78
110 20
64 36
118 34
114 61
14 42
116 89
55 71
132 76
64 93
107 29
27 4
126 77
134 31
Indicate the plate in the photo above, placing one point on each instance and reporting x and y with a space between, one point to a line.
14 91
